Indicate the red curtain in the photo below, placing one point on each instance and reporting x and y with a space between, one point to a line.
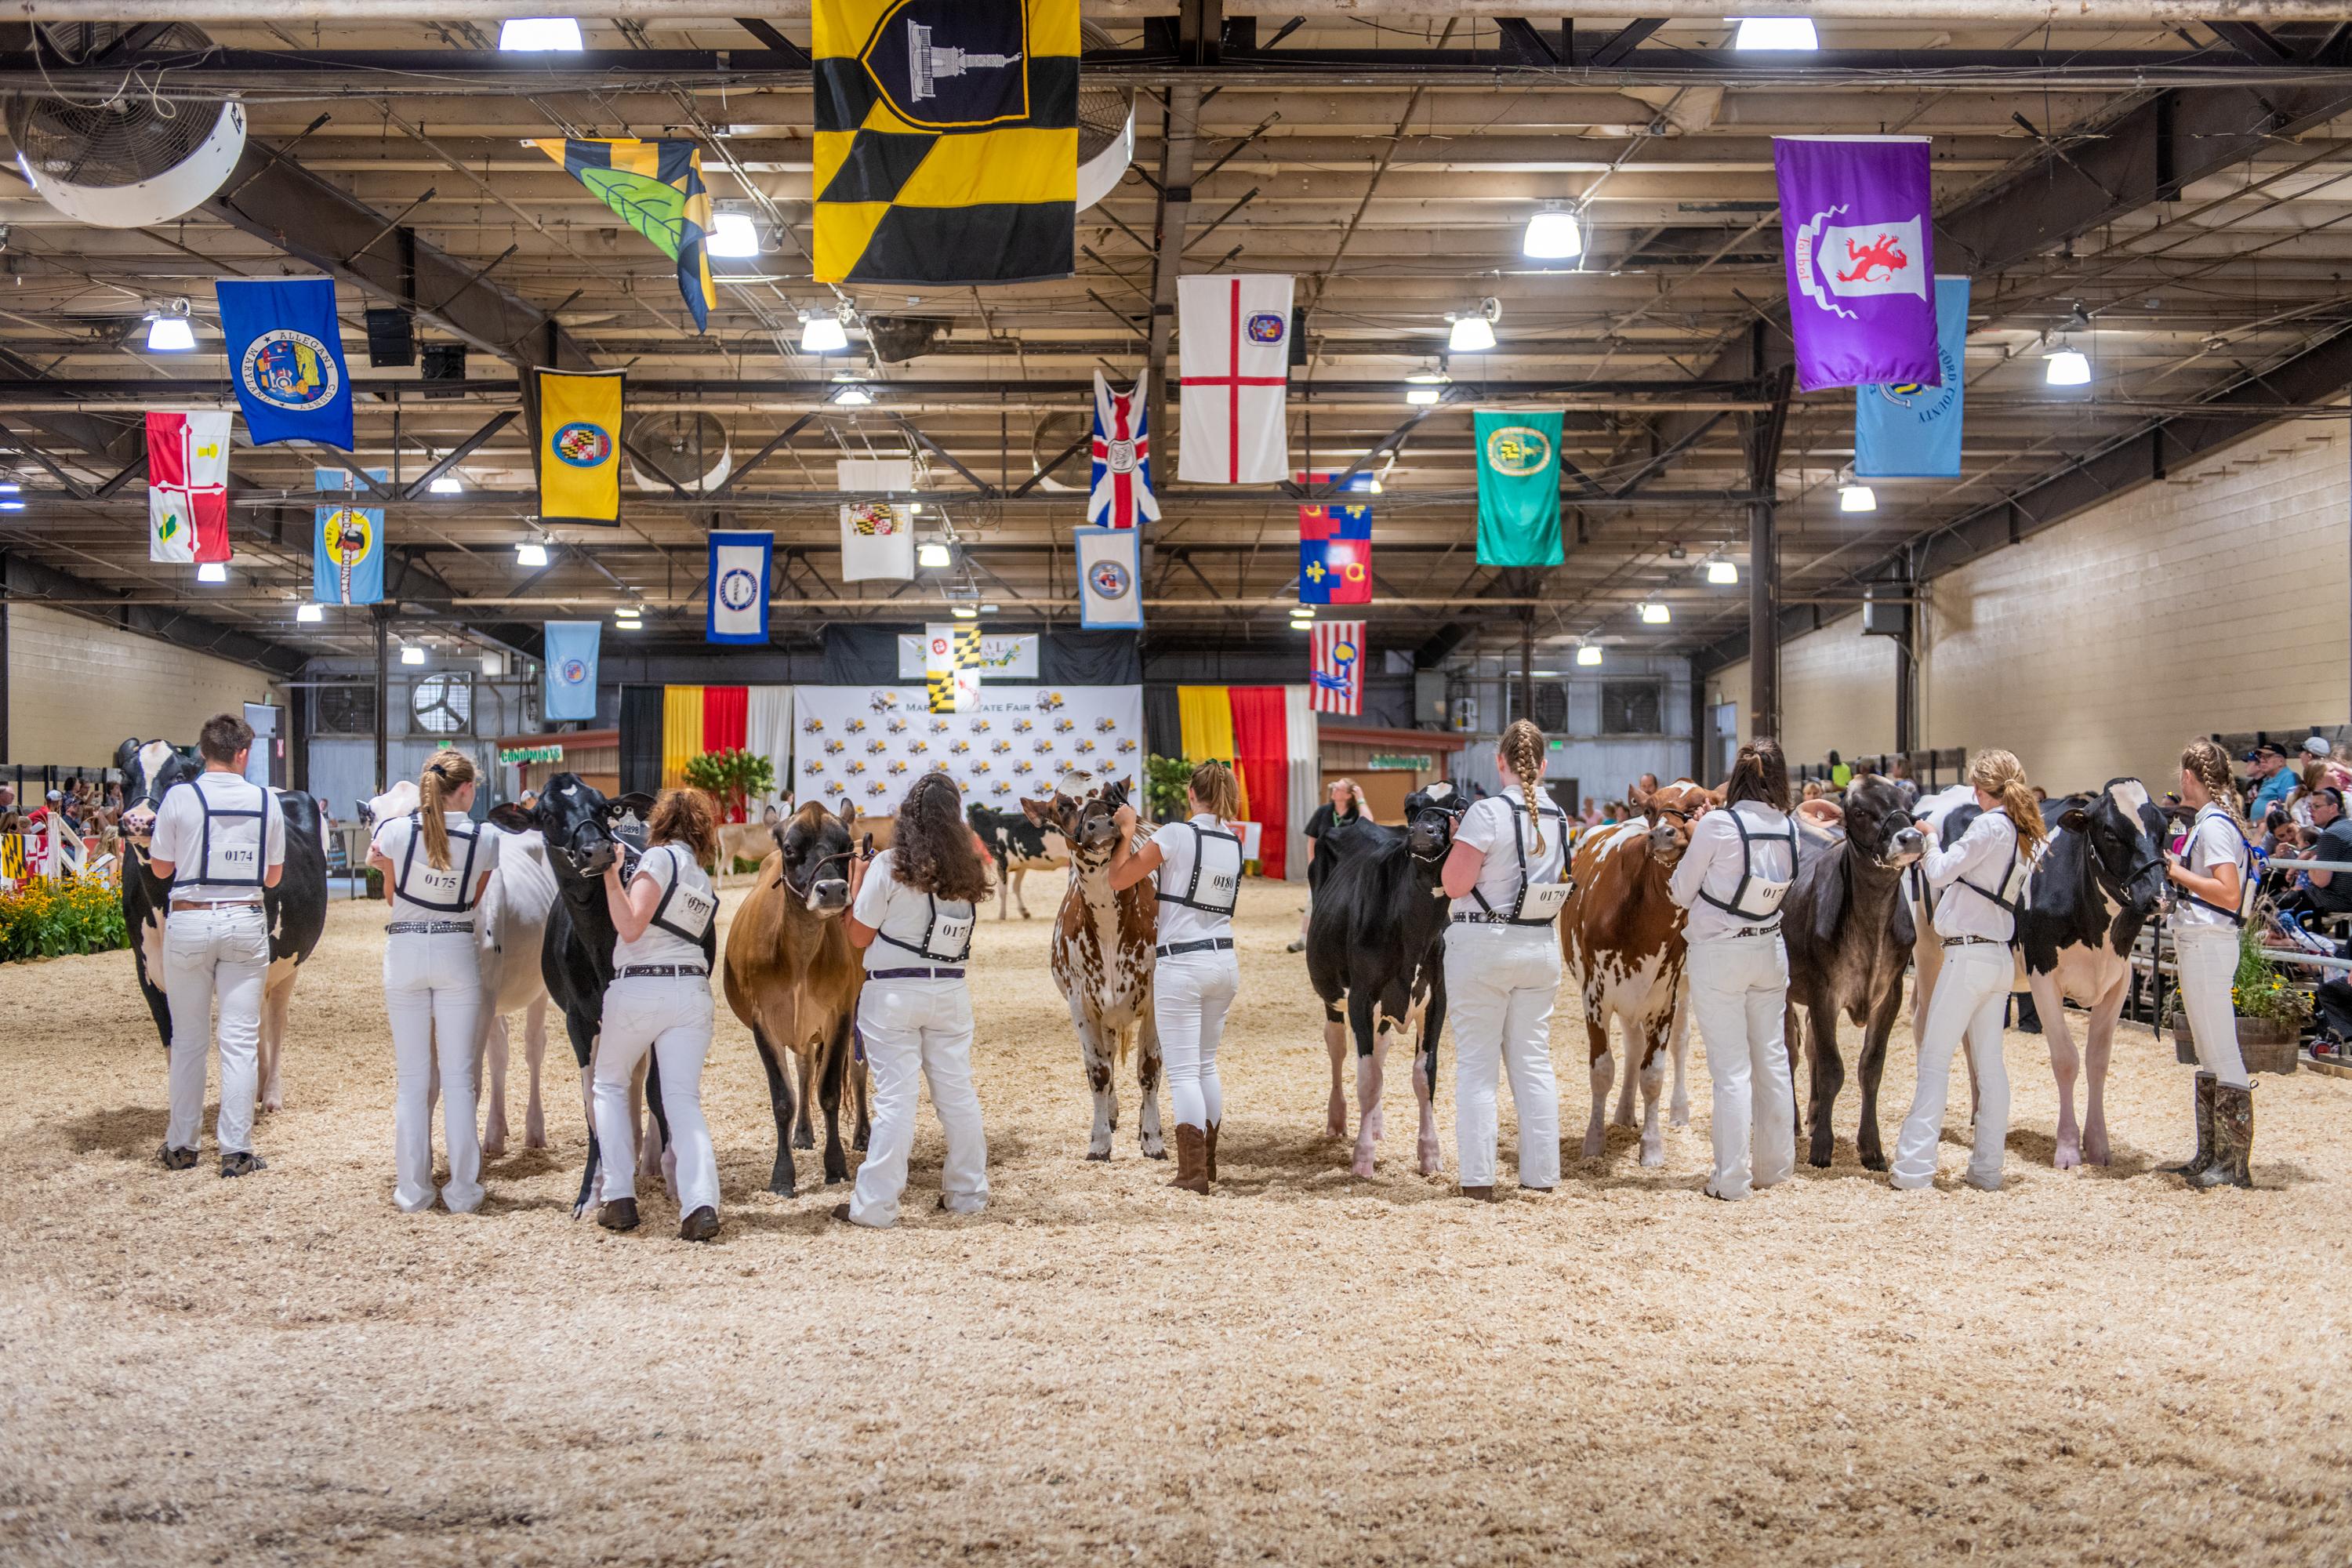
1262 747
726 724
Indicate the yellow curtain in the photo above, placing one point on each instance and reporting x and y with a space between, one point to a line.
1204 718
681 732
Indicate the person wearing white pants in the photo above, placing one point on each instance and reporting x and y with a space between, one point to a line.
1979 881
1733 878
435 863
1196 975
666 918
220 841
912 911
1507 875
2214 872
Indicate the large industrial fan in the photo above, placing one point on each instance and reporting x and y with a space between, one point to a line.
687 448
123 158
1106 126
1051 439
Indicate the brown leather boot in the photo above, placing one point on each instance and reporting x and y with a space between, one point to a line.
1480 1195
2233 1138
2198 1163
1213 1150
1191 1159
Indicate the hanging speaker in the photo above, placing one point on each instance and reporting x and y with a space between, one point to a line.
444 362
392 338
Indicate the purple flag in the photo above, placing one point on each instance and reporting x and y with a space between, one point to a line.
1856 229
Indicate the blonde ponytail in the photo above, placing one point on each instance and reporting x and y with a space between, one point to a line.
449 770
1522 750
1214 785
2000 774
2210 764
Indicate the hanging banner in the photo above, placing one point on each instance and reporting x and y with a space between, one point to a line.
1110 579
738 612
877 532
187 486
1234 339
346 541
1008 656
1335 546
285 355
1907 431
654 187
572 669
577 456
951 666
1121 495
868 742
1518 487
1335 682
1857 229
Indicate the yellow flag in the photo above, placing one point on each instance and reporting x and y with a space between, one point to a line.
580 446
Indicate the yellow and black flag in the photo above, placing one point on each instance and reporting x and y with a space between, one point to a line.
947 140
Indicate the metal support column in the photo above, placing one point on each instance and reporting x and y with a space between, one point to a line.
1763 620
1527 666
382 697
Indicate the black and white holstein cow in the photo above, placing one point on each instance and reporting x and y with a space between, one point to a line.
1019 843
295 910
2097 881
1849 935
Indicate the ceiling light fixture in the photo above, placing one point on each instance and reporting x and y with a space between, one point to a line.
12 506
168 332
538 35
1655 615
1426 388
530 552
964 612
1473 330
448 485
412 653
1776 33
1553 235
822 333
1588 654
853 396
212 572
1722 573
309 614
931 553
2064 365
735 235
1858 498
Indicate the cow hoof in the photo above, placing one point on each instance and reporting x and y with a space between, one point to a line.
1818 1161
803 1140
1102 1155
535 1140
2095 1149
1363 1162
1679 1121
784 1186
1874 1160
1653 1154
1595 1144
2067 1155
494 1147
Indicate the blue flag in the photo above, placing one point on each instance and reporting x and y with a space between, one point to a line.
572 669
347 544
1909 432
285 355
739 587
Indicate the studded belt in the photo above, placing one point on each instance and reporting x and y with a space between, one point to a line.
427 928
1974 940
661 972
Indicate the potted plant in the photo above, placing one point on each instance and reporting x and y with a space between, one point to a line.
2271 1011
1164 781
733 776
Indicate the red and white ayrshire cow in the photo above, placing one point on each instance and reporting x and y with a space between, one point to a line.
1621 935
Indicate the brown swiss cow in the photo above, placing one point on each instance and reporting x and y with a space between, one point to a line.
793 977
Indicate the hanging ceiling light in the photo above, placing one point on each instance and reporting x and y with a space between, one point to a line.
1588 654
412 653
212 572
1473 330
931 553
1776 33
448 485
734 236
530 552
1723 574
1655 615
1426 388
853 396
1857 496
2065 365
822 333
168 332
1553 235
537 34
309 614
964 612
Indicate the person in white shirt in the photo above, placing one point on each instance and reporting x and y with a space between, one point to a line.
1738 869
1979 879
2214 871
220 841
1508 876
659 1001
912 909
1196 976
436 862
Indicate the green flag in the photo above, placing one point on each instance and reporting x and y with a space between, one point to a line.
1518 489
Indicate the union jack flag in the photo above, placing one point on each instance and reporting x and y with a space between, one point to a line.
1121 492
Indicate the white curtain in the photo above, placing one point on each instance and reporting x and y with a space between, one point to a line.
1304 741
767 731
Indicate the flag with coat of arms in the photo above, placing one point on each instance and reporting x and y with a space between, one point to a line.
187 486
1122 491
1335 545
1234 334
1336 682
1857 227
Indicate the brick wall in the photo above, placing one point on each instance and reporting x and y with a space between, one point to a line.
75 689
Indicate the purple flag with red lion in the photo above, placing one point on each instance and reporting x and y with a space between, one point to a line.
1857 228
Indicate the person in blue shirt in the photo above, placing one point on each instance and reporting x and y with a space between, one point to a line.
2274 781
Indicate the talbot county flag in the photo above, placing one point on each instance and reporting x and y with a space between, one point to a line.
572 669
739 587
187 486
1907 431
951 665
579 446
285 355
656 187
1110 579
346 541
947 140
1234 334
1518 487
1121 492
1338 681
1857 227
877 532
1335 546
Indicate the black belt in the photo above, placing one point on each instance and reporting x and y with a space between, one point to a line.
1206 944
1974 940
914 974
1772 930
661 972
427 928
1502 921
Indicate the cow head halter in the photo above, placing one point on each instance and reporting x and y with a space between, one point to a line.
822 861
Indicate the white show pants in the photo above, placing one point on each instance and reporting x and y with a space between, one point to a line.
910 1028
433 996
220 952
1740 998
1189 994
2207 958
669 1016
1971 993
1501 982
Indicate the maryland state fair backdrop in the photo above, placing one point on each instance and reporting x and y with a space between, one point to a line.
871 742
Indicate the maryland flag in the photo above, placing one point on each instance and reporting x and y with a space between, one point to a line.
579 443
951 665
947 140
658 187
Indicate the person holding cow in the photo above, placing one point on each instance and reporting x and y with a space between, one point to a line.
1979 879
1508 876
912 909
1195 975
435 863
2214 872
219 840
659 1002
1739 867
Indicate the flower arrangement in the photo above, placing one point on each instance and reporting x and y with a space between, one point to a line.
49 919
733 776
2261 989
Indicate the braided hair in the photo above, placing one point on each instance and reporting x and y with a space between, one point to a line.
1522 750
2209 764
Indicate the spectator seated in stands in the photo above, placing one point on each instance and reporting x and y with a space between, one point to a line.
2270 781
2324 892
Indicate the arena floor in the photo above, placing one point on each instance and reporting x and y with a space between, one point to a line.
2092 1367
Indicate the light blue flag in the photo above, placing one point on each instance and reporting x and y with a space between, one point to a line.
572 669
1907 432
1110 578
347 543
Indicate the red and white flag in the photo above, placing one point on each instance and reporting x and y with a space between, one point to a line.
1234 332
1337 683
1121 493
187 486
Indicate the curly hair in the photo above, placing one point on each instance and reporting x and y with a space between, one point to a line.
687 817
932 845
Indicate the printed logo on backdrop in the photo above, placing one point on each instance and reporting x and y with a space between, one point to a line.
1517 450
583 445
290 370
1856 260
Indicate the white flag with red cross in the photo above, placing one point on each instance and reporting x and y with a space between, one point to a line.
1235 335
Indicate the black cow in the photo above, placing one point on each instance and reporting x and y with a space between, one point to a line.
1019 843
2097 882
1376 940
584 832
296 908
1849 934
